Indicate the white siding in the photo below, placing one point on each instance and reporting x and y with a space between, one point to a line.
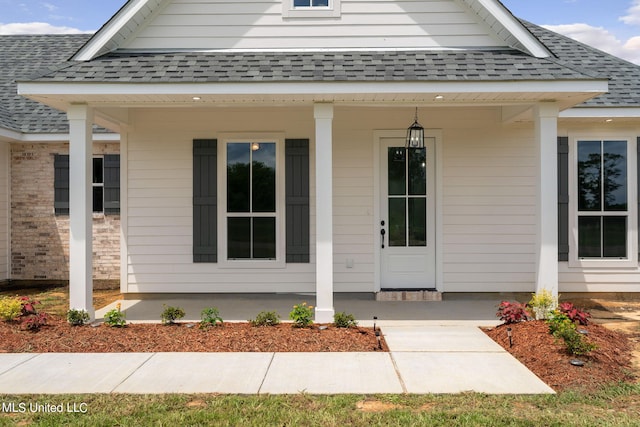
488 193
4 210
219 24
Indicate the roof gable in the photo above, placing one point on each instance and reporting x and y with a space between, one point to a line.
208 25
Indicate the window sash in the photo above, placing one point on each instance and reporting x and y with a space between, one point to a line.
251 223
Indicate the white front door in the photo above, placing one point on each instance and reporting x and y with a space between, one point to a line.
407 215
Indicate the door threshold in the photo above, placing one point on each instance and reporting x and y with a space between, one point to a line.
408 295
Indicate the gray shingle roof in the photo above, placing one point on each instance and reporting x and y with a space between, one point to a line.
478 65
44 58
624 76
20 57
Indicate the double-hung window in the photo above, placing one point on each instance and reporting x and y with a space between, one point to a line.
604 228
252 211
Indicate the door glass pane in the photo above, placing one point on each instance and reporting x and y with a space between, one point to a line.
238 173
264 177
589 232
417 221
615 175
417 171
264 238
396 166
238 238
397 222
614 236
589 176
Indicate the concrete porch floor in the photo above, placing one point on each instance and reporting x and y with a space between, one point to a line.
471 309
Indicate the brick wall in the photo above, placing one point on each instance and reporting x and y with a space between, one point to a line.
39 238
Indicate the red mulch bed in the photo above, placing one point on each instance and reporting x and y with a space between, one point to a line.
60 337
548 358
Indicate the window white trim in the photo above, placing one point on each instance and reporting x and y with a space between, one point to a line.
334 10
223 140
632 196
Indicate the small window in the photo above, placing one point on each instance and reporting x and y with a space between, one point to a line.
310 3
98 185
311 8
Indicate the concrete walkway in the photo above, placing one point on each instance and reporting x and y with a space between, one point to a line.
435 347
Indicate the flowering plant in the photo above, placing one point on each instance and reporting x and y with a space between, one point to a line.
302 315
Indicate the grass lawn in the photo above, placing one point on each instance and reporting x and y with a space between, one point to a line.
613 406
616 405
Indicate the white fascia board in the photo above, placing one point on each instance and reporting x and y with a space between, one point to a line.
9 134
511 24
601 112
308 88
111 28
63 137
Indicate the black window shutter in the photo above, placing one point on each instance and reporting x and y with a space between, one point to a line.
112 184
563 198
61 184
205 203
297 200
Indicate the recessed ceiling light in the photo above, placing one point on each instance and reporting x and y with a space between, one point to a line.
439 97
608 120
196 98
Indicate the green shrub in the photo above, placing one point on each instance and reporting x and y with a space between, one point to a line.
77 317
210 317
266 318
10 308
344 320
302 315
562 327
171 314
115 318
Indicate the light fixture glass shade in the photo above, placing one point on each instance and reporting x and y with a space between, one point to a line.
415 134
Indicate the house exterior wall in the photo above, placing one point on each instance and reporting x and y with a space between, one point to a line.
488 187
4 211
216 24
487 184
39 238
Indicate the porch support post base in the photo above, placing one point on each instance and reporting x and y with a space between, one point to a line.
546 131
323 114
80 209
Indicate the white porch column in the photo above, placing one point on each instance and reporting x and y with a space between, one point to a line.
80 208
323 114
546 134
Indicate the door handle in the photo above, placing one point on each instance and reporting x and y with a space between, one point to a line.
382 233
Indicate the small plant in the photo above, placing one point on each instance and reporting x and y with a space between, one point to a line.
171 314
543 303
28 305
33 322
576 315
562 327
115 318
210 317
10 308
344 320
266 318
302 315
77 317
512 312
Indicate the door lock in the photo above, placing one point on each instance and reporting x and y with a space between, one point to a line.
382 233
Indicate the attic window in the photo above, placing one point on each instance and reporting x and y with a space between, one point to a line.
311 8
